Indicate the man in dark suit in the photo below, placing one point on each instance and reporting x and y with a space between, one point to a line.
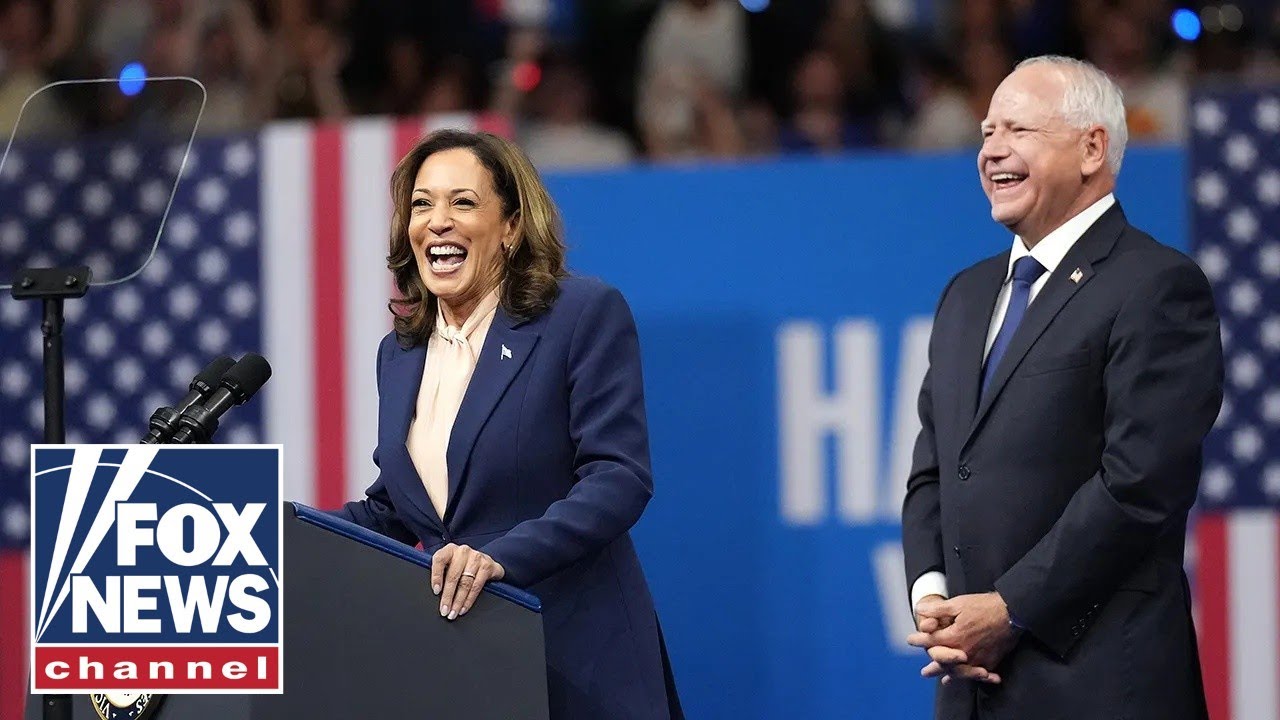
1071 383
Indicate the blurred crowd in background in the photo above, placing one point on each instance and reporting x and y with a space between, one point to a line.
606 82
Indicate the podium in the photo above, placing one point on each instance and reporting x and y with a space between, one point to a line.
363 638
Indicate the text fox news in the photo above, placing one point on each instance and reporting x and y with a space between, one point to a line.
156 569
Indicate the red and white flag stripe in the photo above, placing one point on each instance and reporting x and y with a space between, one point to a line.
1237 592
14 633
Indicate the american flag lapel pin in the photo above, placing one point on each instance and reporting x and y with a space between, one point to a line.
506 353
1076 275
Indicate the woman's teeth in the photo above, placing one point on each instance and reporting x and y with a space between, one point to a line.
446 257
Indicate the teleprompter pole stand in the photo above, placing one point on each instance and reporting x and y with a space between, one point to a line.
53 286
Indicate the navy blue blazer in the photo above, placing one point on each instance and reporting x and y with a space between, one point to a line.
548 470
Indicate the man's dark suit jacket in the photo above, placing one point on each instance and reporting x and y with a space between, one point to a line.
548 470
1066 486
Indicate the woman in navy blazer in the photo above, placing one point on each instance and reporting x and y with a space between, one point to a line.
548 457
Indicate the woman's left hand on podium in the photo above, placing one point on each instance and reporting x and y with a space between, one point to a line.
458 574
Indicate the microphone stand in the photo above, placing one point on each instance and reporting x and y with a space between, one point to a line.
53 286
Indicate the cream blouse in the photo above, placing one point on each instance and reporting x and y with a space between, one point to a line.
451 359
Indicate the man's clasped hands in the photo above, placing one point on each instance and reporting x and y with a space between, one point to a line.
966 636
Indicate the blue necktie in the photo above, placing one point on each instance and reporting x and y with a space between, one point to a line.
1026 270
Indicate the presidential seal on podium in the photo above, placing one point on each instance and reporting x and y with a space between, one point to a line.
125 705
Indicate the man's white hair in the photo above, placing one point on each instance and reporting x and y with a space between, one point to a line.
1092 98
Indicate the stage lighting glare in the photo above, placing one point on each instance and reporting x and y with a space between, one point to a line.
132 78
1211 19
1186 24
1232 18
755 6
526 76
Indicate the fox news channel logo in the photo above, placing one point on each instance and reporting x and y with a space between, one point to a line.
156 568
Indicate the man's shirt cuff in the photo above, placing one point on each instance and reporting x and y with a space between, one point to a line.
930 583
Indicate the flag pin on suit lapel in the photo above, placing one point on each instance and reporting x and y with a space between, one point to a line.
1075 276
506 353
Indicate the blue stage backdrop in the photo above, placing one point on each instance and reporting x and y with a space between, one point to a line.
784 311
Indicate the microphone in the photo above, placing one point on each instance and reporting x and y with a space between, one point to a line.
164 421
200 421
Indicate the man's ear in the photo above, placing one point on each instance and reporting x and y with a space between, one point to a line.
1093 146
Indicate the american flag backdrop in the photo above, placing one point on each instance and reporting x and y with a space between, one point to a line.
275 243
1235 212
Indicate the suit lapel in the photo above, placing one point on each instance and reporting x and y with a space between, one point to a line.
976 319
1072 273
403 373
505 351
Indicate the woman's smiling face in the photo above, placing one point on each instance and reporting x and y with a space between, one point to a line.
458 228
